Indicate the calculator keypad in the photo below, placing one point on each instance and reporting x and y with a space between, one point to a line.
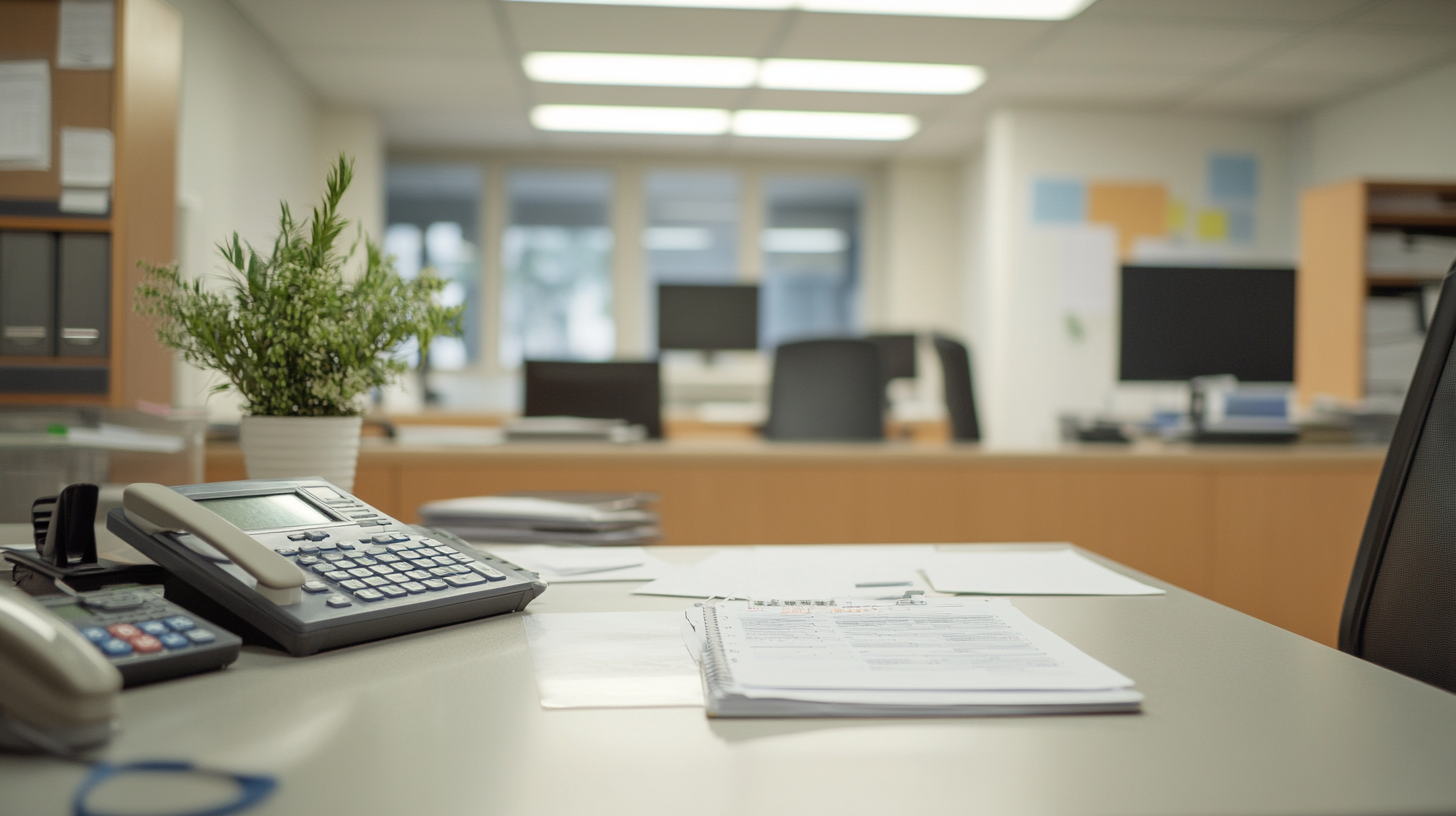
143 628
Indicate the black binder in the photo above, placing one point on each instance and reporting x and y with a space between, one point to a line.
28 294
85 295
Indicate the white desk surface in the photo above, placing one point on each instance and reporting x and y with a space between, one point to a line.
1240 718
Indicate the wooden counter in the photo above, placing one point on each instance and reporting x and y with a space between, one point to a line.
1269 531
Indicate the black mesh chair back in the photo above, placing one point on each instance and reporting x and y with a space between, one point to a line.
615 390
1400 611
960 397
826 390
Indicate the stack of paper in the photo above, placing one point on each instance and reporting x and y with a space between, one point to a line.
567 564
531 519
921 658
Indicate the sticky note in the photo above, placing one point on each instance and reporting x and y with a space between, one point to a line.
1058 201
1213 225
1233 177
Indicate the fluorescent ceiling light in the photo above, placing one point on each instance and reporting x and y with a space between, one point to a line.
995 9
677 239
823 125
742 72
621 119
640 69
803 240
872 77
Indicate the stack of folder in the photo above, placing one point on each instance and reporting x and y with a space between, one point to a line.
548 518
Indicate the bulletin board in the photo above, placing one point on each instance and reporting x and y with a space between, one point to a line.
29 30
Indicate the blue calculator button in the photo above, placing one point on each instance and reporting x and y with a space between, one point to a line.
116 647
179 623
153 627
96 634
172 640
200 636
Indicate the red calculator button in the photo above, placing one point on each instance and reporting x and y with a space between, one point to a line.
145 644
125 631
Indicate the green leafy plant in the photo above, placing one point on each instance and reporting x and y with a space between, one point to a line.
289 333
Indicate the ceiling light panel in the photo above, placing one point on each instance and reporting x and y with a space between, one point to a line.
888 127
870 77
993 9
641 69
621 119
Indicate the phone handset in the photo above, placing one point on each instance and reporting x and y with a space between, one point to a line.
155 508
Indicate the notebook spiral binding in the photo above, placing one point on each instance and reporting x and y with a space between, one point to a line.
715 661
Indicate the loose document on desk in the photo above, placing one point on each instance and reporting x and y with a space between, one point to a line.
926 658
575 564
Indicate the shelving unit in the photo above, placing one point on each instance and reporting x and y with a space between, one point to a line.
137 101
1334 284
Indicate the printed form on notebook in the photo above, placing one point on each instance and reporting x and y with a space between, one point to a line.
908 658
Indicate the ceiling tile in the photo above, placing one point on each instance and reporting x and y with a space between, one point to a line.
1262 92
377 26
1357 54
908 39
1308 11
855 102
458 129
1412 13
636 30
410 82
1115 86
1158 46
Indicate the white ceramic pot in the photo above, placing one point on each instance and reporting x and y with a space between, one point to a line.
293 447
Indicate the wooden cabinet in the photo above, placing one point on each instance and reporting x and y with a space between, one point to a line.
1336 221
137 101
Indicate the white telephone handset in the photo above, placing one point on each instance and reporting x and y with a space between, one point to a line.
57 691
155 509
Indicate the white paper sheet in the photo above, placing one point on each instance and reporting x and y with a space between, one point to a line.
86 157
962 644
25 115
583 564
88 35
1028 572
814 571
612 660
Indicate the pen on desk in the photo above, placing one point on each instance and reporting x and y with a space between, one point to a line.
884 584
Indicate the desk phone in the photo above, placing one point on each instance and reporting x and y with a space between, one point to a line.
304 565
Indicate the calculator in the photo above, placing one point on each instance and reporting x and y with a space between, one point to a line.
146 637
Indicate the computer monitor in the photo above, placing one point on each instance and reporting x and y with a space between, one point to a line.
1184 322
897 354
613 390
707 318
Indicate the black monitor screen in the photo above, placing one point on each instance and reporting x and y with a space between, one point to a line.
707 318
1185 322
614 390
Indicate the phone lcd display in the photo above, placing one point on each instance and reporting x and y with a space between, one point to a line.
267 512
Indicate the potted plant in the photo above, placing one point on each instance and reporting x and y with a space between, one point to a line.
298 341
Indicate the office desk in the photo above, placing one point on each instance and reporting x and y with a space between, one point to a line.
1271 531
1240 718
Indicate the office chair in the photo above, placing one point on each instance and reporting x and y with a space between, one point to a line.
960 395
825 390
1400 611
616 390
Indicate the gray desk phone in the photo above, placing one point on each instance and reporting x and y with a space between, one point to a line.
303 565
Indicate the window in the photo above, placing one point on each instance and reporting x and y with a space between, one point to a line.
811 258
556 301
433 213
692 231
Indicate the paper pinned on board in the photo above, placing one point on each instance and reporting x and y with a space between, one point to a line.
569 564
1041 571
612 660
87 38
86 157
25 115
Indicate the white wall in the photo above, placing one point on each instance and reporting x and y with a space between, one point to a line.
923 243
1404 130
1025 279
252 134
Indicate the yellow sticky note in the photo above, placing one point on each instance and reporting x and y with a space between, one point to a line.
1213 225
1177 216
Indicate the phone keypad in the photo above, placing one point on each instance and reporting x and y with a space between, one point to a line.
392 565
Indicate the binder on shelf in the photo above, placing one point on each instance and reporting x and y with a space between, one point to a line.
27 294
85 295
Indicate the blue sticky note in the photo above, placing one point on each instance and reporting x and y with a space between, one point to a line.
1058 201
1233 177
1241 224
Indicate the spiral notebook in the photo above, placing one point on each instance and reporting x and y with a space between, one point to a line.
914 657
